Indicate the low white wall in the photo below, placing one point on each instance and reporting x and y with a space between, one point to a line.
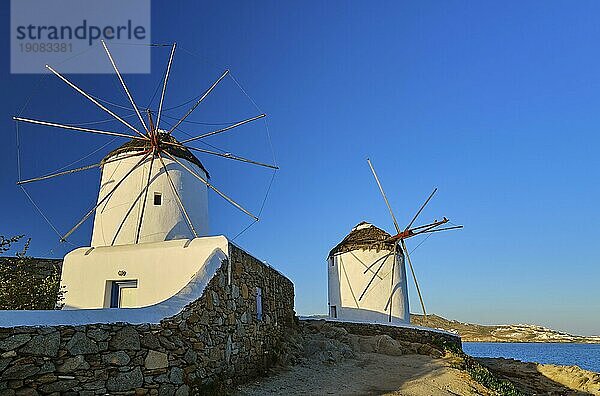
161 269
152 314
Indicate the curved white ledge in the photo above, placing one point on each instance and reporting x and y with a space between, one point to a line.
152 314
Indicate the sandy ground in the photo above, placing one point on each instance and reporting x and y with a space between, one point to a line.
370 374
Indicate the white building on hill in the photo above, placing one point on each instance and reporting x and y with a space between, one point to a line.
367 278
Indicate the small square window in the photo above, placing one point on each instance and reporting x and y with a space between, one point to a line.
157 199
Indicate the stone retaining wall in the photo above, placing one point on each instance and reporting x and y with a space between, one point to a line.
421 335
215 339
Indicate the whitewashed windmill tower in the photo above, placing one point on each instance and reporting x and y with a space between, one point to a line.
133 214
151 215
367 272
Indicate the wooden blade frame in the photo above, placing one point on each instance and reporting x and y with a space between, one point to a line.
162 95
88 214
392 284
112 61
237 124
68 172
384 196
139 227
373 277
208 91
231 201
91 99
126 216
420 209
179 201
224 155
76 128
405 250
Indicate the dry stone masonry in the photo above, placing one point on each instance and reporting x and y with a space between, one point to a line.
224 337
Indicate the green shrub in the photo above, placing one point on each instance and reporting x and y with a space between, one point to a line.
21 285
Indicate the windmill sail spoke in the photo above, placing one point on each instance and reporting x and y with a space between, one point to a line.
434 224
389 301
88 214
164 88
427 228
179 201
405 250
392 284
348 282
68 172
421 209
89 97
440 229
373 278
237 124
367 269
384 196
131 207
225 155
112 61
76 128
208 91
231 201
139 227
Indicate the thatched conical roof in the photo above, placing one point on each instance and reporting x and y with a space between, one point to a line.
364 236
140 145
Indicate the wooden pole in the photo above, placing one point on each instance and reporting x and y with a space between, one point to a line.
208 91
384 196
162 95
224 155
231 201
373 278
137 111
88 214
237 124
374 262
440 229
76 128
414 277
49 176
392 285
131 207
91 99
420 210
179 201
139 228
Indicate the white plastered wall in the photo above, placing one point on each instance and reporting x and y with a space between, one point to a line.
120 214
161 270
348 277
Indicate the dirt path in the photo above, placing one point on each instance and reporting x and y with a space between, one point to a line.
370 374
321 358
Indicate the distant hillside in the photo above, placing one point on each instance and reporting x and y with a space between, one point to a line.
500 333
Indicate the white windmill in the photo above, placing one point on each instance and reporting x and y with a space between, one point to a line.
152 207
367 274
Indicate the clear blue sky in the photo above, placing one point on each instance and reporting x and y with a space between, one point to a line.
496 104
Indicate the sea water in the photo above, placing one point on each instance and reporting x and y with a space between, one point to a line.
586 356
